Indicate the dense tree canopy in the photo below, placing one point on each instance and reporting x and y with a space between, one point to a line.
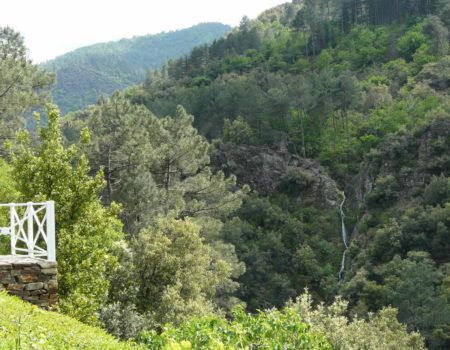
359 86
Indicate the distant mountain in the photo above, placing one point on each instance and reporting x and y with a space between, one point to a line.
88 72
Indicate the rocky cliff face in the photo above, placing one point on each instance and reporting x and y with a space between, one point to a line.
411 158
399 169
268 171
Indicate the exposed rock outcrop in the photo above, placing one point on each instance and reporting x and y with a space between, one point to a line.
400 168
411 158
267 170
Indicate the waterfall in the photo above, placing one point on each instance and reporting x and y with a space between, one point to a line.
344 237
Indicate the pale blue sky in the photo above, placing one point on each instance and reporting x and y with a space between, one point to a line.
53 27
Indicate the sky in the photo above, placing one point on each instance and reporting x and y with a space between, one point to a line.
54 27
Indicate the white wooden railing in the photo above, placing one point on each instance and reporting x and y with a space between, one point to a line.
31 229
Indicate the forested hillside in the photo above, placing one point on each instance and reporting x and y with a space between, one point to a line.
87 73
307 150
311 100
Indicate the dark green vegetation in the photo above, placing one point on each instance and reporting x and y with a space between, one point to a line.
87 73
239 207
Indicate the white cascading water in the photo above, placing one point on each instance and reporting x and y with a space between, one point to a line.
344 237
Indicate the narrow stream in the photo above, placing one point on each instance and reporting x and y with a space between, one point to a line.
344 237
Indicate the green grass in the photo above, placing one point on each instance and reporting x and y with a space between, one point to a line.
24 326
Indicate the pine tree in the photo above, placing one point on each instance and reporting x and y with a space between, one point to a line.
22 84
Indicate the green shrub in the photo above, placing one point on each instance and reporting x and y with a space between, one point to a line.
297 326
438 191
410 42
381 331
384 192
266 330
237 131
295 181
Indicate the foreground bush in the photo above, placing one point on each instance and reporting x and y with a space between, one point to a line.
381 331
297 326
266 330
23 326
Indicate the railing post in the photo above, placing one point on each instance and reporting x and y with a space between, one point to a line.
51 237
12 229
30 227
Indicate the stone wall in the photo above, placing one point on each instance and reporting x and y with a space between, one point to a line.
34 280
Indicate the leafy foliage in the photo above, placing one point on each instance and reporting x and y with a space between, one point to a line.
8 193
176 274
281 252
86 229
380 331
272 329
297 326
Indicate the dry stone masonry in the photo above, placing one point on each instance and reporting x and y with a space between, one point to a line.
32 279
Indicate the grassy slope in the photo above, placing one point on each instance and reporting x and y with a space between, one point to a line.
23 326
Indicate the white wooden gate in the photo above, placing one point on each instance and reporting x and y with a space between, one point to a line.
31 229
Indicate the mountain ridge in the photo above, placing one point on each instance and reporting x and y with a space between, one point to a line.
88 72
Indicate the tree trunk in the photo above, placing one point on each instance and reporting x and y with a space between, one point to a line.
167 186
302 129
108 177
